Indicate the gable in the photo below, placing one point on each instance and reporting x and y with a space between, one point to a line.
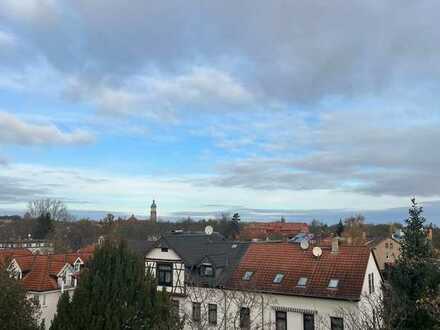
160 253
14 269
66 268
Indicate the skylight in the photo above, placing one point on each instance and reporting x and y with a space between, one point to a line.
333 284
302 281
278 278
247 276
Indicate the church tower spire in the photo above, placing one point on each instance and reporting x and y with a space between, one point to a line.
153 212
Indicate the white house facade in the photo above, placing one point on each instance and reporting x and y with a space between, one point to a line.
230 285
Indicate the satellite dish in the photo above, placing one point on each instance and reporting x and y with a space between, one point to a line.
317 251
209 230
304 244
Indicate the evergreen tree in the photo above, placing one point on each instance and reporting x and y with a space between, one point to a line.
115 293
415 244
63 319
17 312
235 225
414 279
339 228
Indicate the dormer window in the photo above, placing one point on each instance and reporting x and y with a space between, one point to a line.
207 270
247 276
333 284
302 282
278 278
77 267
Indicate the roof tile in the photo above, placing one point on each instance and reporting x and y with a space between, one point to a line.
268 259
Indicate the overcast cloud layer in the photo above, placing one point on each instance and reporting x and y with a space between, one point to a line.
268 97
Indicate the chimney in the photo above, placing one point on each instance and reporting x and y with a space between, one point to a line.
429 233
335 245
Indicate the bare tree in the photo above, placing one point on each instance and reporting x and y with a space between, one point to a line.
56 208
368 315
228 305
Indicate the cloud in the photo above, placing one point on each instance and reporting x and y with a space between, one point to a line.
18 190
15 131
202 88
295 52
305 96
373 152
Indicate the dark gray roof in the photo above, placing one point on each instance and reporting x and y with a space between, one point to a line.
140 247
198 248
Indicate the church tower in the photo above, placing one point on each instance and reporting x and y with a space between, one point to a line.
153 212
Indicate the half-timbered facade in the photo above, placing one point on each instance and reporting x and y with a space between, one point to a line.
168 268
220 284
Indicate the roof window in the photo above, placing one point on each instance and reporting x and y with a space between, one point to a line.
333 284
278 278
247 276
302 282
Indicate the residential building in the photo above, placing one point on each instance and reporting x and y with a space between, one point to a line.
386 250
216 283
278 230
33 245
6 255
46 277
181 259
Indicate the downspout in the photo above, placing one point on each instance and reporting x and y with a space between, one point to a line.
225 311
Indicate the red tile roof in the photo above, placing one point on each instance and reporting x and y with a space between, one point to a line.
267 259
40 271
9 254
265 229
38 278
87 249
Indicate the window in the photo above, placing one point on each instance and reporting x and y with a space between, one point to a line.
386 245
196 312
164 249
247 276
333 284
43 300
391 245
302 282
371 283
207 270
309 321
280 320
336 323
278 278
245 318
165 274
212 314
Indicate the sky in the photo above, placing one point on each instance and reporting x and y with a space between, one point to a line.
269 107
